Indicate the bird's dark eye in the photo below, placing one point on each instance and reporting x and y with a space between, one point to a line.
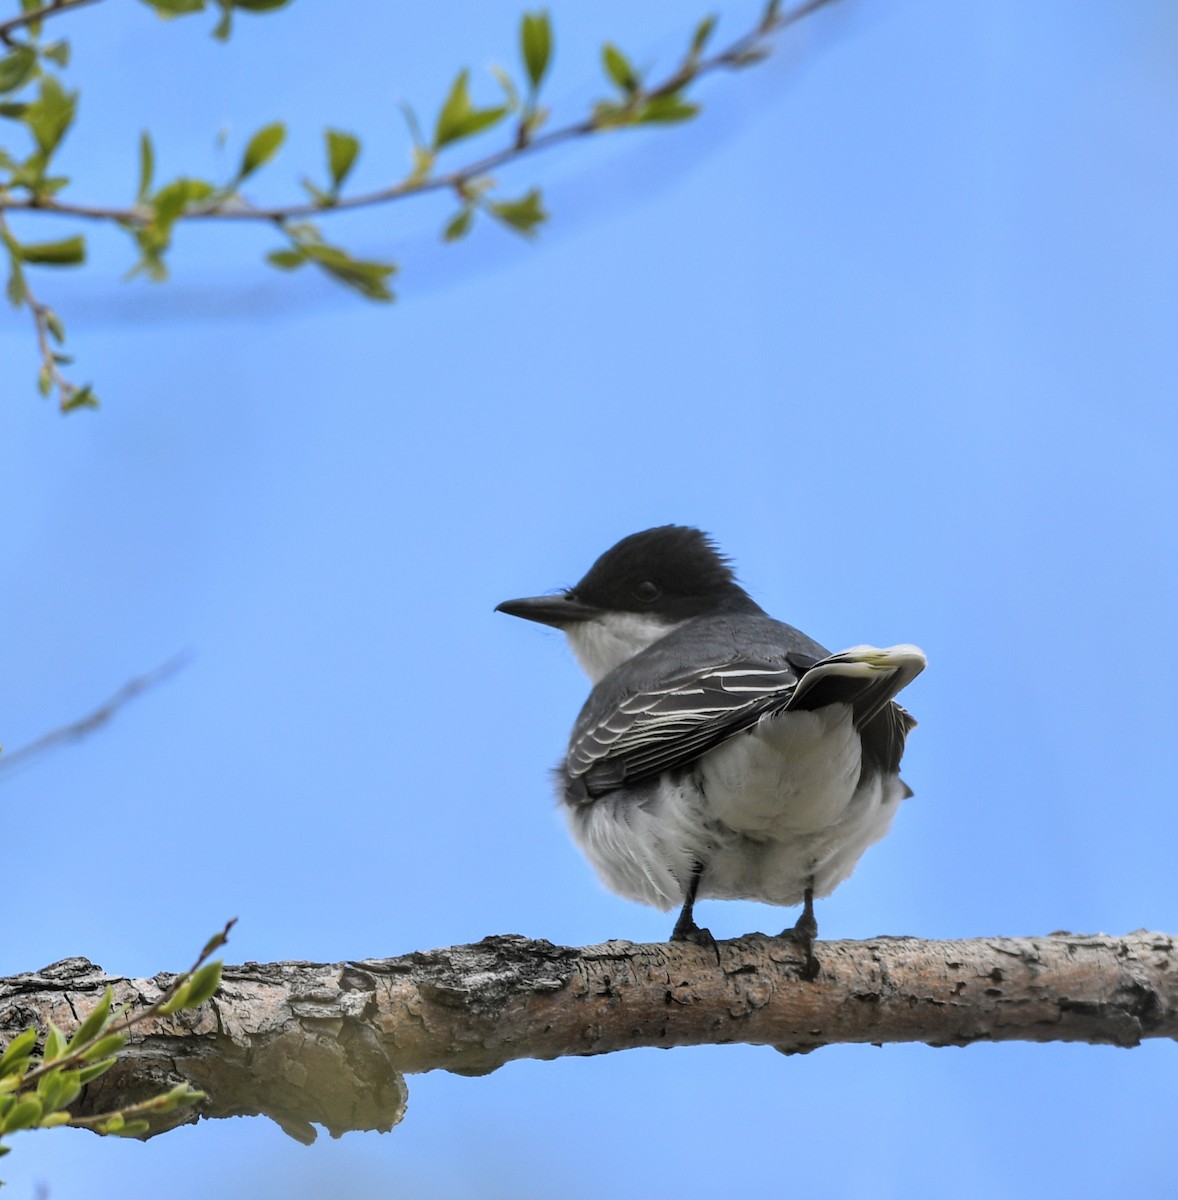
647 591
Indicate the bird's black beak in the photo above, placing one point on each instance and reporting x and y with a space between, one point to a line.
558 610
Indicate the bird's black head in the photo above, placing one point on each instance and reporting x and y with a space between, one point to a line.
672 572
669 574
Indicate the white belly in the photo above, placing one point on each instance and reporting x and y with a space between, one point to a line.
768 814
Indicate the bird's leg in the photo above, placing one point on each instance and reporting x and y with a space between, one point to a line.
804 931
686 930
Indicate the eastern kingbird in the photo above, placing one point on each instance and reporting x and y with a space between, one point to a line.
721 753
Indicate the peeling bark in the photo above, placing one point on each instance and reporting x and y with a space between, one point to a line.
329 1044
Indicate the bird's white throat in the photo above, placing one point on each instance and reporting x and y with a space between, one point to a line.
609 640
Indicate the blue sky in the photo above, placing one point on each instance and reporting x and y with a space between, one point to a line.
894 320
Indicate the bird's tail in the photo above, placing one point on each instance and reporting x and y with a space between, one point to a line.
865 677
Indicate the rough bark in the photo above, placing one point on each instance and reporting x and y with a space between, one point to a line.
330 1044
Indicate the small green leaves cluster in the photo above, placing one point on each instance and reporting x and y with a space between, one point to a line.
459 119
34 99
38 1084
47 111
33 96
369 277
638 104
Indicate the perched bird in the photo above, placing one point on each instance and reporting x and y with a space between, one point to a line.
721 753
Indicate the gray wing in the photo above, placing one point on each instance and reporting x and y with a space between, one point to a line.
629 737
671 725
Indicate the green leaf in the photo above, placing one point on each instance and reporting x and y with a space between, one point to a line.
459 118
178 1000
286 260
364 276
44 380
51 114
221 937
665 110
18 1048
146 165
13 110
68 252
53 1119
111 1044
522 215
702 35
58 52
203 984
94 1069
58 1089
412 122
510 94
17 289
55 1043
95 1019
454 111
260 5
175 8
75 398
458 226
262 148
22 1114
342 150
131 1129
172 199
181 1096
17 68
618 68
536 45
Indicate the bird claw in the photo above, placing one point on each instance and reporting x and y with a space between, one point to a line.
695 935
803 932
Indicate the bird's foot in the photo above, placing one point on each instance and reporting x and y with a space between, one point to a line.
689 931
803 932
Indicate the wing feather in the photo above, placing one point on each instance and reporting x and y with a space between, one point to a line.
634 736
671 725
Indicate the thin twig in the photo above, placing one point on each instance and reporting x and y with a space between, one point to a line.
79 729
38 14
40 311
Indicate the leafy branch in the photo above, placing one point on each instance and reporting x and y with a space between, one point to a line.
152 219
37 1090
33 14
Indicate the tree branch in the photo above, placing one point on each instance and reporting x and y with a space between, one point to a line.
308 1043
84 726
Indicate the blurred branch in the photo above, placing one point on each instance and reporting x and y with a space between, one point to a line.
87 725
308 1044
36 15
